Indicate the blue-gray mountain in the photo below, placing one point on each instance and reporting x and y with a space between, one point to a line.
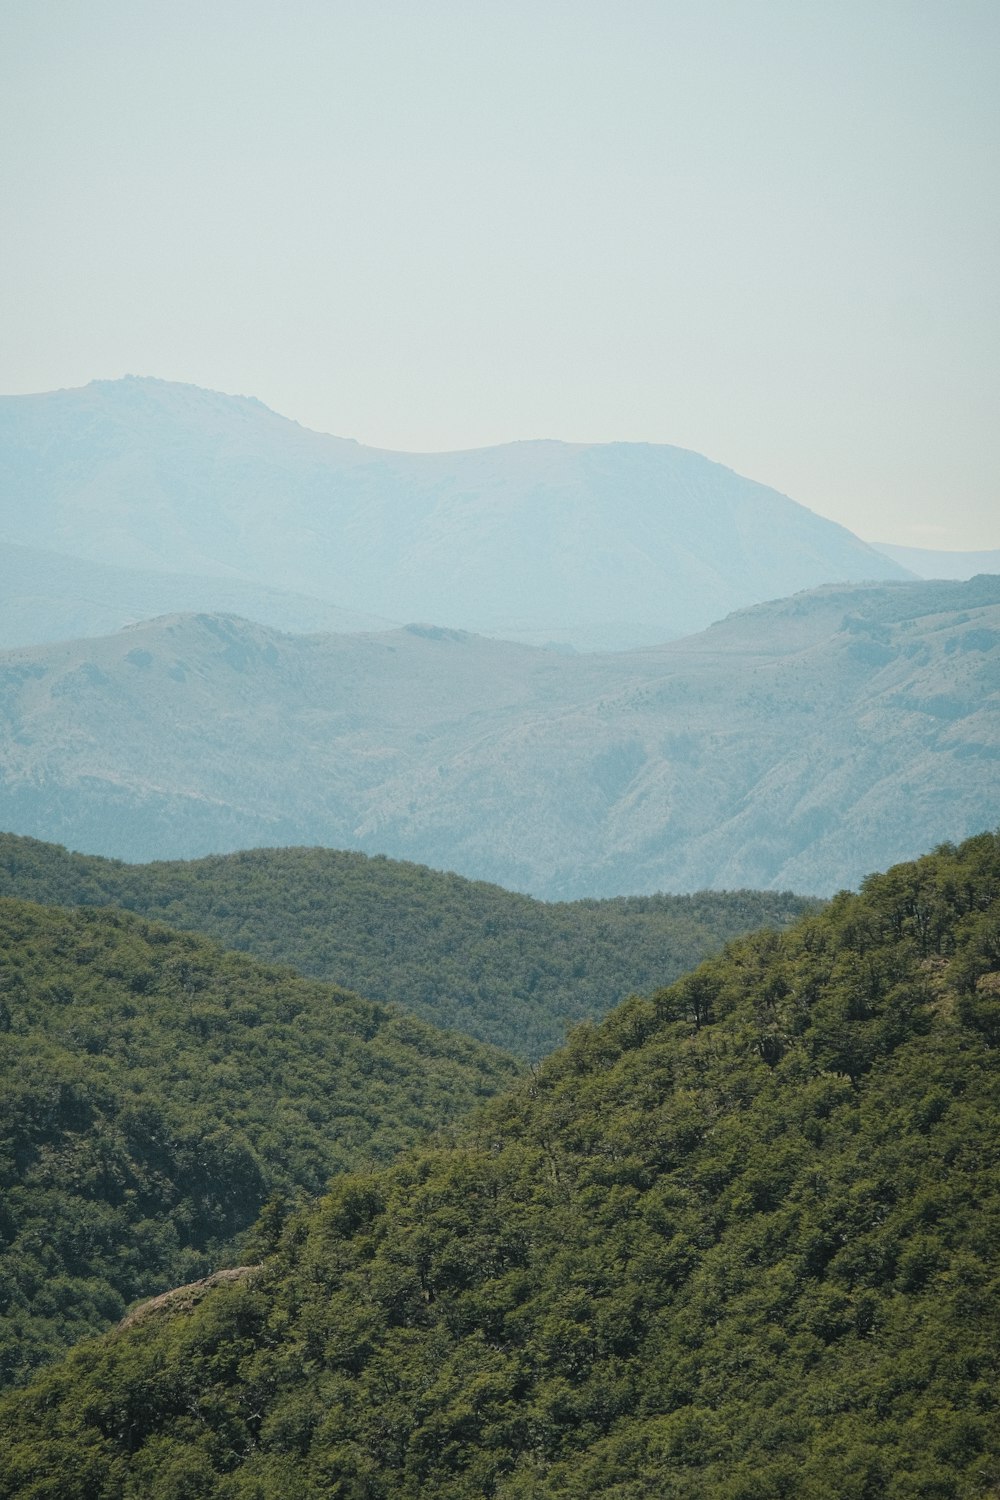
597 546
49 596
795 745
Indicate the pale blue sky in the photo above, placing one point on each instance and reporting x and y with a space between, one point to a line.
765 230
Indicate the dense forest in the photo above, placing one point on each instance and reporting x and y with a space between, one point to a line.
738 1241
460 953
156 1092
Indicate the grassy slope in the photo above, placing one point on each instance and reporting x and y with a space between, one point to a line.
738 1241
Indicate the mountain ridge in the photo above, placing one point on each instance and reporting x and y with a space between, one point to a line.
787 748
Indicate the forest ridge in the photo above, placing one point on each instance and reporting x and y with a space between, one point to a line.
458 953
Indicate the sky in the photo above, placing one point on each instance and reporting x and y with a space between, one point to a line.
767 230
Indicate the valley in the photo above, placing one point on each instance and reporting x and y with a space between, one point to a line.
735 1239
499 752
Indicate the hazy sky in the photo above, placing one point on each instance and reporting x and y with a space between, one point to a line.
767 230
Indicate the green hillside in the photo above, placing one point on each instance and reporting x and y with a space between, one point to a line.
461 954
737 1242
156 1091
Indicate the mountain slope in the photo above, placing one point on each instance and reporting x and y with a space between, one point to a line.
156 1091
795 745
458 953
601 546
738 1241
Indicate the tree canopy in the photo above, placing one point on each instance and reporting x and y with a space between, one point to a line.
738 1240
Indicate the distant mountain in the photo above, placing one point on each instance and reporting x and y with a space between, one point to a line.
459 953
795 745
739 1242
48 596
597 546
926 563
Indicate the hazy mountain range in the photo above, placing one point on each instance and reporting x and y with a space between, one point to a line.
601 546
798 744
925 562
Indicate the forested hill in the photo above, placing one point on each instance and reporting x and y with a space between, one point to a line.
737 1242
156 1091
459 953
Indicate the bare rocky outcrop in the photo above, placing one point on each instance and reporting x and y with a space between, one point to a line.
183 1298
